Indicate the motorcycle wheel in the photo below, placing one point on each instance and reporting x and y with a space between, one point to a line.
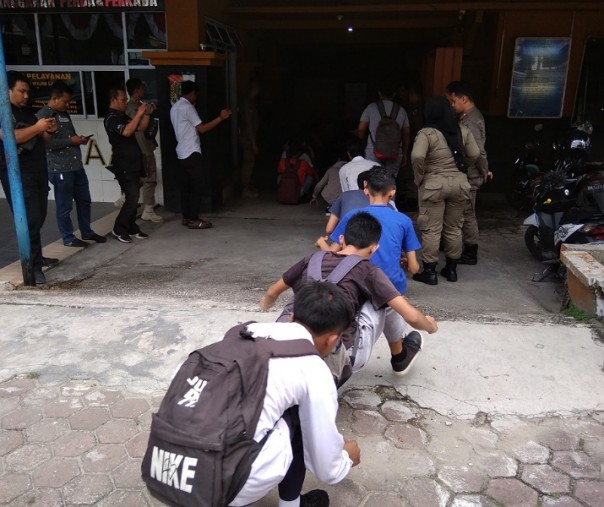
531 240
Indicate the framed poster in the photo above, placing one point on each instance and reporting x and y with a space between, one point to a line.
539 77
39 91
175 81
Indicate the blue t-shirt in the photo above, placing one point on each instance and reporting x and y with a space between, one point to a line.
397 235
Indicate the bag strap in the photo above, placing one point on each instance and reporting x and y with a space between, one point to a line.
381 109
395 109
345 266
289 348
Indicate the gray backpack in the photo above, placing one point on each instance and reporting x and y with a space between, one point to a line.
387 142
201 447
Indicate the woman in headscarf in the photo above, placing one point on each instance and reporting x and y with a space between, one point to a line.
441 154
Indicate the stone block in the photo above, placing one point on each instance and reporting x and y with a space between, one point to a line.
590 492
531 453
55 472
116 431
104 458
75 443
21 418
421 492
462 479
397 411
89 418
362 399
130 408
77 388
595 449
512 493
128 475
27 457
385 500
63 407
87 489
545 479
137 446
40 497
13 486
576 464
496 464
473 501
103 398
9 404
9 441
368 422
125 499
406 436
16 387
558 440
563 501
47 430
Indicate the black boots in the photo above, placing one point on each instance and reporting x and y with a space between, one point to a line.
469 255
428 275
450 270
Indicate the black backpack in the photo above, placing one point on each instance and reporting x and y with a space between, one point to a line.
288 188
201 446
387 142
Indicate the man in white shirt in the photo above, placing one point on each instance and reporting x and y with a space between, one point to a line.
349 172
300 406
187 127
371 117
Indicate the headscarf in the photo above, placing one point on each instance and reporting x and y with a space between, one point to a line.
439 114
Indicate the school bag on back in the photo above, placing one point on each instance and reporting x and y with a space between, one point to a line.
201 446
288 188
387 142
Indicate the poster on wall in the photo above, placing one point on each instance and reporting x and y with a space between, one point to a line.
39 91
539 77
175 81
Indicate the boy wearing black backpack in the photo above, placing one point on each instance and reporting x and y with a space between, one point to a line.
369 292
254 411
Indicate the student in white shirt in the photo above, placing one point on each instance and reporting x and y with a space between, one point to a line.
187 127
300 406
349 172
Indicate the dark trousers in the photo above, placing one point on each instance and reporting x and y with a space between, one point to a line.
69 187
125 222
192 179
35 194
291 485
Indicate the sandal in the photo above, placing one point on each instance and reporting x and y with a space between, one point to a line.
199 224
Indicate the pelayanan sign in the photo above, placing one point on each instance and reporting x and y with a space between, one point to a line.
79 5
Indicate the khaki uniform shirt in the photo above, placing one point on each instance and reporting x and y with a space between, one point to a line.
474 121
146 145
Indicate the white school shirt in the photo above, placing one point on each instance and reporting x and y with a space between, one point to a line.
350 172
184 118
306 382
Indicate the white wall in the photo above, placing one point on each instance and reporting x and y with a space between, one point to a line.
103 186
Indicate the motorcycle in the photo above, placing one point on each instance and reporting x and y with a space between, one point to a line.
566 210
527 173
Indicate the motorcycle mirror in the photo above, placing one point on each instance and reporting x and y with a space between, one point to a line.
538 127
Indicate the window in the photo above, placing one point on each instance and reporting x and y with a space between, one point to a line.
590 95
19 38
146 30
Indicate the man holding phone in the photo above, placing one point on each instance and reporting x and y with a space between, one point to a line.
66 171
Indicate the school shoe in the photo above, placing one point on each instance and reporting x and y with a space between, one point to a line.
140 235
39 277
97 238
49 262
77 243
428 275
412 346
119 202
450 270
151 216
122 238
315 498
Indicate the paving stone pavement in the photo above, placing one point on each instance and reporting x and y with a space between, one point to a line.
81 443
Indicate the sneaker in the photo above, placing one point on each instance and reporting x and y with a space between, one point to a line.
49 262
140 235
123 238
151 216
119 203
412 346
97 238
77 243
315 498
39 277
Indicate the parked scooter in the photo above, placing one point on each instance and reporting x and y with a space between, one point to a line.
566 210
527 173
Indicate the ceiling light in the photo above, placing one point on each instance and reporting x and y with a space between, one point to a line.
350 29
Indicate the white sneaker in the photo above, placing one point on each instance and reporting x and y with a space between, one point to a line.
119 203
151 216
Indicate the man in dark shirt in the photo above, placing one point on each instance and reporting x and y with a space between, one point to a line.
31 134
127 160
